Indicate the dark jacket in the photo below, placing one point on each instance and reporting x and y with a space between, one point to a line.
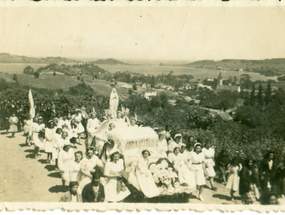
88 195
67 197
265 172
246 179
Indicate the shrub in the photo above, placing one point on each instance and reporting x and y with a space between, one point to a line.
37 74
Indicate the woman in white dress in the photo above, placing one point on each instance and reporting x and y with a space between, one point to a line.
77 120
234 169
108 149
209 154
87 164
65 157
13 120
144 176
56 146
27 127
162 144
74 168
38 136
115 189
185 176
197 167
49 135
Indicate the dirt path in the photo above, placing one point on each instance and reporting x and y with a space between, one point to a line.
26 179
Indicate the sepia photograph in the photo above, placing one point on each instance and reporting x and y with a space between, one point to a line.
142 105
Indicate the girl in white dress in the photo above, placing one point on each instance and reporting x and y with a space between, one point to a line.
37 130
115 190
162 144
49 135
209 153
233 178
77 120
185 176
87 164
74 168
27 127
65 157
13 120
198 166
144 176
56 146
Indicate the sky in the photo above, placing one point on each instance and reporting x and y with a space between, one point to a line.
142 32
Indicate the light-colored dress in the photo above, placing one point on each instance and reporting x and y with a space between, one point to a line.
162 147
57 145
92 125
197 167
74 171
184 174
85 167
111 192
64 160
209 161
49 134
172 144
233 178
39 142
79 128
13 124
145 179
27 126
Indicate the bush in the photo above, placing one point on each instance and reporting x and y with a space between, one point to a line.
28 70
37 74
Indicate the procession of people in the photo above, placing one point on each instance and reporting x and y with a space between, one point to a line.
101 173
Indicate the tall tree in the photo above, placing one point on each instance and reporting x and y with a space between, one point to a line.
252 96
268 93
152 84
260 95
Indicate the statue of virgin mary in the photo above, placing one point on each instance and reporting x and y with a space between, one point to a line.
114 102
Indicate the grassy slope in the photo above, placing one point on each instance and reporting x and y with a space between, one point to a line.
48 81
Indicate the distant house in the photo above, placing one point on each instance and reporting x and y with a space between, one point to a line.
144 86
225 116
220 114
125 85
172 102
170 88
148 95
187 98
204 86
228 87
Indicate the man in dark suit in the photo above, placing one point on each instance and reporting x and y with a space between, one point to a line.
266 169
94 191
71 195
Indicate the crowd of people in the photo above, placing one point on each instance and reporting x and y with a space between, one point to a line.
100 174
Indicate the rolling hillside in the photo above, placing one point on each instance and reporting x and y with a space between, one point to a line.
7 58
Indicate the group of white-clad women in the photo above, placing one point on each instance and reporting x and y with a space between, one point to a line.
194 166
61 135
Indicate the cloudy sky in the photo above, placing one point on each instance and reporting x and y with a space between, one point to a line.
174 33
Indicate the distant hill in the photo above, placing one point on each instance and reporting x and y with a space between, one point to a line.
269 67
109 61
75 70
7 58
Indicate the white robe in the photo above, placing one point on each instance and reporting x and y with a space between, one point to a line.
114 102
145 179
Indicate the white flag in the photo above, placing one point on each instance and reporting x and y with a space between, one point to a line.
32 106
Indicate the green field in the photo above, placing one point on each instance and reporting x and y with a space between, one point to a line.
48 81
